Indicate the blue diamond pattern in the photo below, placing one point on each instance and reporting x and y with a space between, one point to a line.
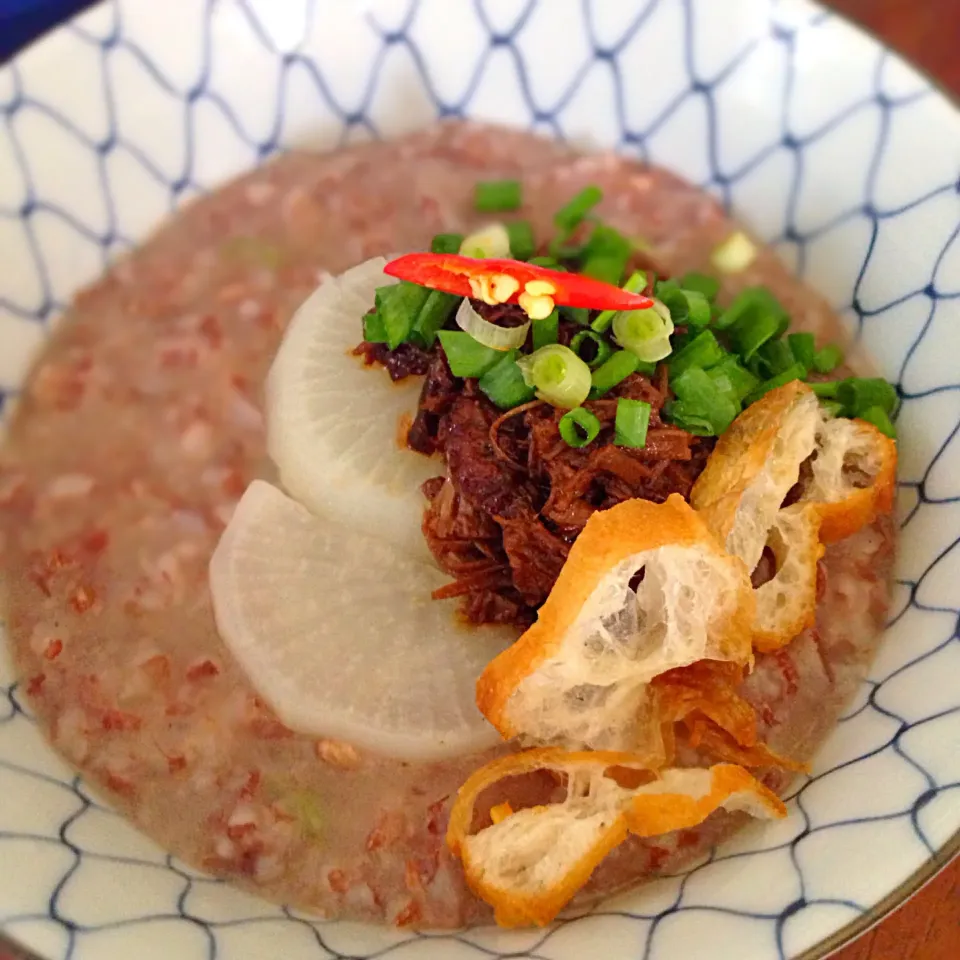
902 733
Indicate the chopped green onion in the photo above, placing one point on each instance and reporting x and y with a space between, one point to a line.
373 329
399 305
487 333
571 214
493 196
635 283
828 359
698 308
881 420
732 377
858 394
832 407
703 400
645 332
446 243
804 348
578 427
546 331
750 303
560 249
606 240
547 262
776 357
690 418
522 244
433 316
701 283
736 253
702 351
795 372
685 306
597 348
504 384
751 333
559 376
491 241
577 315
827 390
606 254
606 267
613 371
467 357
633 418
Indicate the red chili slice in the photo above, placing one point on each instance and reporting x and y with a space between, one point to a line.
452 273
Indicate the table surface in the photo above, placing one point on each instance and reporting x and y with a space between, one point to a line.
928 926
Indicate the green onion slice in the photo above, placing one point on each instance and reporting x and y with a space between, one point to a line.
433 317
751 333
521 242
702 351
446 243
605 267
703 401
571 214
547 262
734 254
859 394
490 334
373 329
776 356
490 241
635 283
732 378
645 332
578 427
493 196
596 348
503 383
881 420
467 357
828 359
633 419
558 375
701 283
399 304
546 331
685 306
804 348
795 372
613 371
827 390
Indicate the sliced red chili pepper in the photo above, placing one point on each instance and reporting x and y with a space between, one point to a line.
452 273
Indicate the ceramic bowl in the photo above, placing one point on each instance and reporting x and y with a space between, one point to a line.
826 144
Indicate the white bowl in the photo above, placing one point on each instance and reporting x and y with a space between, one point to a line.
826 144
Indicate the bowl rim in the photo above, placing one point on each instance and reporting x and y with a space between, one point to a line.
949 851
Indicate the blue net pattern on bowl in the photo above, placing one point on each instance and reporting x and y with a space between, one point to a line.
891 732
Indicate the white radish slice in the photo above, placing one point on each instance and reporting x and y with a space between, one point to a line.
333 425
337 631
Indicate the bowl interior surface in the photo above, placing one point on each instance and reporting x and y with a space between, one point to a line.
828 146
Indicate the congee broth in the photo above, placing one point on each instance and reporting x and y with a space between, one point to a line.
450 499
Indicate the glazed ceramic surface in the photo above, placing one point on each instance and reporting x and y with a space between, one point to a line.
828 146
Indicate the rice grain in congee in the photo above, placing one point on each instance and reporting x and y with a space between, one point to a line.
141 426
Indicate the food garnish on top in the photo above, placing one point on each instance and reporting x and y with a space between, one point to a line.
640 476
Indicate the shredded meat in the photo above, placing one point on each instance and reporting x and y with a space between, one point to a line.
515 495
407 360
